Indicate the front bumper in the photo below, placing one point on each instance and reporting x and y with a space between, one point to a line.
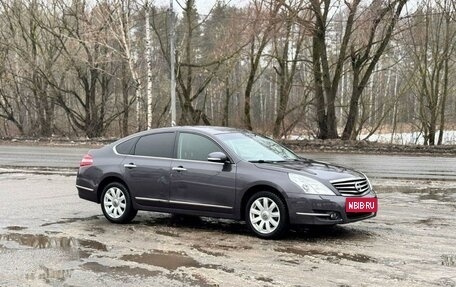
322 210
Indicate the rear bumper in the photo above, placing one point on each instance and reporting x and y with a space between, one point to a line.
86 184
323 210
87 193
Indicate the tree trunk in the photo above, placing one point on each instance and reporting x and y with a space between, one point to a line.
149 65
319 94
226 106
353 109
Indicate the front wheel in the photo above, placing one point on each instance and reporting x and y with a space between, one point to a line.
116 203
266 215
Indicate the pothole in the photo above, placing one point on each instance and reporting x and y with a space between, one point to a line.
119 270
79 247
168 260
330 255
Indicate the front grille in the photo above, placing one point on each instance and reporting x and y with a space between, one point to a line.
352 186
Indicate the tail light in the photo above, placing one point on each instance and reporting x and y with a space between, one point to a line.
87 160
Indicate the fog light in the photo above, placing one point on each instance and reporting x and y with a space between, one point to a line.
334 215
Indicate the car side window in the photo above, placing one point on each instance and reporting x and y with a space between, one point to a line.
126 147
195 147
156 145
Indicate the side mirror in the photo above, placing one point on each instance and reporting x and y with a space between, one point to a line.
217 157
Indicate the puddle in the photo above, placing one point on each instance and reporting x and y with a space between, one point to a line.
49 275
92 244
15 228
67 244
40 241
169 260
330 255
449 260
119 270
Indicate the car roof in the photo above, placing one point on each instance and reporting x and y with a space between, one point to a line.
209 130
213 130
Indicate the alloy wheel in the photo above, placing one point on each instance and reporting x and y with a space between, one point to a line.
115 202
264 215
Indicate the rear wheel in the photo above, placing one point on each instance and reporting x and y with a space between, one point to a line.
116 203
266 215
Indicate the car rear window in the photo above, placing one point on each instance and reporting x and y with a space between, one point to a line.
156 145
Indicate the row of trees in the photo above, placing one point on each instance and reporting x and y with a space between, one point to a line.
324 68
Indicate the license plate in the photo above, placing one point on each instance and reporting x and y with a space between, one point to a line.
361 204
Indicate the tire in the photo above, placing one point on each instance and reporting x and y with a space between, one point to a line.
270 222
116 203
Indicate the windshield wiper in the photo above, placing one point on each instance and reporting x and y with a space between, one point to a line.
266 161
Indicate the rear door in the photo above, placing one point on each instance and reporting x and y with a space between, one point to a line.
196 183
147 170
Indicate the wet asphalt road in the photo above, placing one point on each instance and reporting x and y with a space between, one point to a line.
49 237
376 166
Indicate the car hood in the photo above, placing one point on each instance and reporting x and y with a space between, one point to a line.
313 168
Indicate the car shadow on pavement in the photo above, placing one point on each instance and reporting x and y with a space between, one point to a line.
185 222
226 226
336 232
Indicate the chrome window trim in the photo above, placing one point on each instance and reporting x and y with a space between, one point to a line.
200 161
200 204
173 158
83 187
150 157
151 199
183 202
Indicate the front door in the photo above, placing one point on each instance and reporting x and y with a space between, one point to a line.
196 183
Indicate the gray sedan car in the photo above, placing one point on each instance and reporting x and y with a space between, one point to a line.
221 172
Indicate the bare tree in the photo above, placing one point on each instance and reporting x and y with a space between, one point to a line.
263 27
288 44
432 40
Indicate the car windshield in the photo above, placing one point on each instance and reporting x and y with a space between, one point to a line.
256 148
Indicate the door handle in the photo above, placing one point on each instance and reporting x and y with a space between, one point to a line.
129 165
179 168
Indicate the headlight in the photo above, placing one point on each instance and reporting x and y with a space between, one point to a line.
310 186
